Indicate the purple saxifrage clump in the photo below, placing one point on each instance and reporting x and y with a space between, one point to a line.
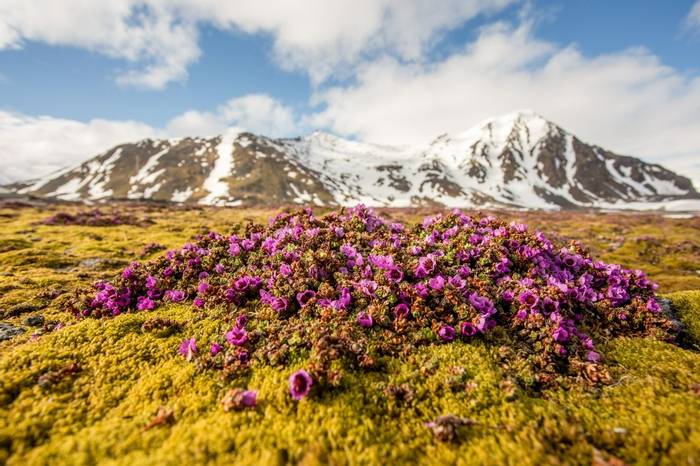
348 287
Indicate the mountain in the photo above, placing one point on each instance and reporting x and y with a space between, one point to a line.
518 160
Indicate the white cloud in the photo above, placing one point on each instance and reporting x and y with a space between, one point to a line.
35 146
323 37
626 101
159 37
146 34
692 21
258 113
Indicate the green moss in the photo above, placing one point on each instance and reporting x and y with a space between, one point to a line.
687 305
648 415
13 244
126 374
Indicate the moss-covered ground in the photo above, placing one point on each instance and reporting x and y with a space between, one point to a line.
90 391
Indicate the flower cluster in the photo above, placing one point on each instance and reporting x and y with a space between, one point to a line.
348 289
94 218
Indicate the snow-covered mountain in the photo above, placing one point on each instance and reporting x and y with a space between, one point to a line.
517 160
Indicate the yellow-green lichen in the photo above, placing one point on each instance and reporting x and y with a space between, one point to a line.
99 414
648 415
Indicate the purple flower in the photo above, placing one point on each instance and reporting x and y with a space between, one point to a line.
446 333
249 398
528 298
279 304
426 265
241 321
151 281
394 275
188 348
300 384
144 303
617 295
464 271
234 249
285 270
521 314
237 336
653 306
508 296
456 281
349 251
421 290
175 295
561 335
243 356
198 302
343 301
304 297
437 283
368 287
467 329
215 349
502 267
364 319
401 311
219 268
549 305
592 356
482 304
242 284
203 287
485 324
380 262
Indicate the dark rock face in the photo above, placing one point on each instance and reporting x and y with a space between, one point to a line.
8 331
35 321
519 160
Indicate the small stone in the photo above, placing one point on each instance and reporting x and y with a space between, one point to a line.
665 305
91 263
237 399
50 378
8 331
695 389
164 416
445 427
400 393
35 321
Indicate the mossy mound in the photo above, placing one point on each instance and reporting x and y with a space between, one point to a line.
98 413
86 391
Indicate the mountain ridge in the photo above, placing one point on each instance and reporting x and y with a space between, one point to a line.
519 160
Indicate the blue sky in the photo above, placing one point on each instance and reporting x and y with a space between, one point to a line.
623 74
75 83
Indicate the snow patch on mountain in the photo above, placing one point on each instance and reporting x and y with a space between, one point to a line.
215 183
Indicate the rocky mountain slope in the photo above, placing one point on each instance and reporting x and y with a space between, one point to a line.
517 160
